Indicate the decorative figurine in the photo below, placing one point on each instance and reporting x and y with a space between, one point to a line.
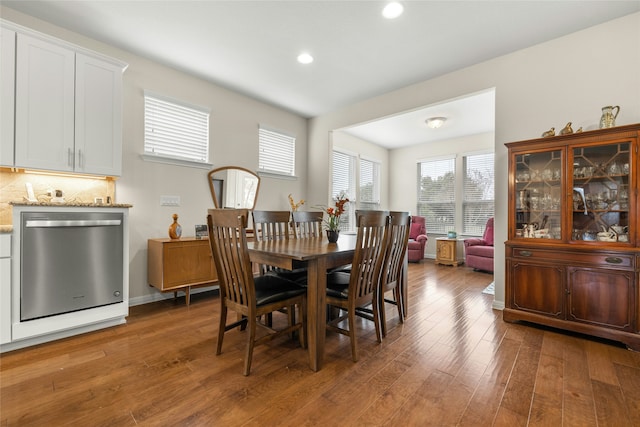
579 130
550 132
567 130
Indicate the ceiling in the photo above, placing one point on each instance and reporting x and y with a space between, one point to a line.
251 46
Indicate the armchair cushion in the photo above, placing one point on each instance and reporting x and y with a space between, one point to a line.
415 230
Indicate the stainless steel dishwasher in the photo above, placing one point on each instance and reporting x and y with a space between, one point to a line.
70 261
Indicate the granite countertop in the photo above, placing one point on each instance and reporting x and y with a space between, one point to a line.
4 229
72 205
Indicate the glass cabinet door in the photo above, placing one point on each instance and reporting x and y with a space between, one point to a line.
538 195
601 193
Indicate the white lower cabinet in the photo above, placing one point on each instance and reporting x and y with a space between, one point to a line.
5 288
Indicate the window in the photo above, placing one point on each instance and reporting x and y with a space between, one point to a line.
277 152
175 130
344 182
457 194
478 202
436 194
369 196
359 179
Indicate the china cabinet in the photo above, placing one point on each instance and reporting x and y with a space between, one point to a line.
572 255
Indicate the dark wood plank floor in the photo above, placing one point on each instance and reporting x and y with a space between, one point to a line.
454 362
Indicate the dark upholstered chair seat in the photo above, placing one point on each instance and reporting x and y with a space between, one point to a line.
271 288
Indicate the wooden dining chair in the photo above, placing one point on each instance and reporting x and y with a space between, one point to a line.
249 296
307 223
359 287
270 225
393 265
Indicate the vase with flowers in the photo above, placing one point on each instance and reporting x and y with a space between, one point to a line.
332 223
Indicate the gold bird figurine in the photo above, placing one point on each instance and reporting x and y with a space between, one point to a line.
550 132
567 130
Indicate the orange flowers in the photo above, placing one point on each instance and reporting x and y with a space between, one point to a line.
332 223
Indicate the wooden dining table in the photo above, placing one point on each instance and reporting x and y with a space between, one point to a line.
317 255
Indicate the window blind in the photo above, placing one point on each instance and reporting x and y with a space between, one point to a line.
369 196
343 182
277 152
175 131
436 194
478 202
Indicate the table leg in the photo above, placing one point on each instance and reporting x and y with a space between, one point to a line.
316 310
404 287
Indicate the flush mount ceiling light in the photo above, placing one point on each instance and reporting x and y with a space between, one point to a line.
392 10
435 122
305 58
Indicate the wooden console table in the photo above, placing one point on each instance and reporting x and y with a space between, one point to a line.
179 265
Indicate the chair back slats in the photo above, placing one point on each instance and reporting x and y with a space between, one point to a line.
271 225
398 240
369 254
228 240
307 224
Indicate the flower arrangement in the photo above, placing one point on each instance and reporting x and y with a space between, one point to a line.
332 223
294 205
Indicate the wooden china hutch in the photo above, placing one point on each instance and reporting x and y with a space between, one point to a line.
573 248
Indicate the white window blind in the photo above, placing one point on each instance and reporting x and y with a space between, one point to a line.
175 130
436 194
478 202
344 182
369 196
277 152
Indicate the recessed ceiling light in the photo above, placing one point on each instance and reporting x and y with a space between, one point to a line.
305 58
435 122
392 10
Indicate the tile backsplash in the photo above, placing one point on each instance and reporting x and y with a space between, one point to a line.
74 189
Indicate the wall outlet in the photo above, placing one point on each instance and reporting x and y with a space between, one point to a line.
169 200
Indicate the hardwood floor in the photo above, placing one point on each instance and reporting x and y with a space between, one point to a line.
454 362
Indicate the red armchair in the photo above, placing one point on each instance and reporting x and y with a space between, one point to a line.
479 252
417 239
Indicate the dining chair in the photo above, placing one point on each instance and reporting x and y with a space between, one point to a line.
393 266
307 223
249 296
359 287
270 225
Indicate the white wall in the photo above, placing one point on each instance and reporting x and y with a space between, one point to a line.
566 79
233 141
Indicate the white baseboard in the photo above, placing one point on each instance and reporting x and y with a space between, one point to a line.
161 296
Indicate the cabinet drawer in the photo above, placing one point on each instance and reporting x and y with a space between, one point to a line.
612 259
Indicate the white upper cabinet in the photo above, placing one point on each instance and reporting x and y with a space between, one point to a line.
98 132
68 108
45 75
7 94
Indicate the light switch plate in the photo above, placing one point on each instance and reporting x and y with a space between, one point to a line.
169 200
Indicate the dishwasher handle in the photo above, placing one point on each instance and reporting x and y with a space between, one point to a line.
72 222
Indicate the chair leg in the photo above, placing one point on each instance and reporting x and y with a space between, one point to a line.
221 327
376 315
383 314
352 335
399 302
251 340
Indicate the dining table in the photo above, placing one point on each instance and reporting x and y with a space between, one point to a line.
318 256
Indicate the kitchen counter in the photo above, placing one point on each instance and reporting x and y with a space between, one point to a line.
6 228
72 205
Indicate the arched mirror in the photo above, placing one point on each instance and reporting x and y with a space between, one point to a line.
233 187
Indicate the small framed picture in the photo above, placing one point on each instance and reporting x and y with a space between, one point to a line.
202 231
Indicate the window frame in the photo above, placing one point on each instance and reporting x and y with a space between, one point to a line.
200 115
268 140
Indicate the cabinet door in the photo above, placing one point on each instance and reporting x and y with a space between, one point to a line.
602 297
538 195
537 288
603 192
7 95
44 105
188 262
98 125
446 250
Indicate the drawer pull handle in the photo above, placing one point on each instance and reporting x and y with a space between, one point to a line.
613 260
525 253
